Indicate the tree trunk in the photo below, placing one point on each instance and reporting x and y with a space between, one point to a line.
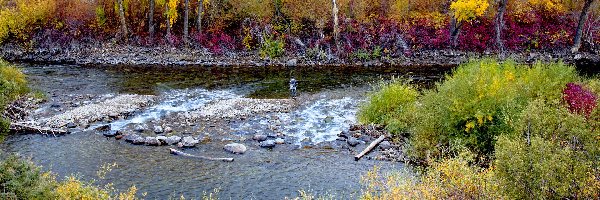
500 25
580 25
122 20
336 28
454 31
151 21
186 16
200 10
168 35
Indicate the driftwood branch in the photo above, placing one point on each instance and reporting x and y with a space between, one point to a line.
369 148
20 127
181 153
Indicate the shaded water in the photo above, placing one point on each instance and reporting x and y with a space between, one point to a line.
257 174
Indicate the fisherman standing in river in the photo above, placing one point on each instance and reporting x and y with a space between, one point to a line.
293 85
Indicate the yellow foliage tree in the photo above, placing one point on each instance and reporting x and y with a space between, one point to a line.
22 15
467 10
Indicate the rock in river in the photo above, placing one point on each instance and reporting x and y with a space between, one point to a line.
260 137
188 141
267 144
152 141
135 139
158 129
279 141
105 127
235 148
173 140
353 141
111 133
71 125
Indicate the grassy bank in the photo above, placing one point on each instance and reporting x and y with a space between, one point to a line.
494 130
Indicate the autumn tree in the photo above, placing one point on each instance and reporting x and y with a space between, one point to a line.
123 34
500 24
579 31
151 19
186 16
465 11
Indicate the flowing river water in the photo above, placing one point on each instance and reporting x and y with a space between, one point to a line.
310 161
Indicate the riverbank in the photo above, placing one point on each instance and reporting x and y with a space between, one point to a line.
113 54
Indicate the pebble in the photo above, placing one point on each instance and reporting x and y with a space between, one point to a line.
235 148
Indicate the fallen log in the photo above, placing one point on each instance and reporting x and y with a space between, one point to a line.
181 153
369 148
29 128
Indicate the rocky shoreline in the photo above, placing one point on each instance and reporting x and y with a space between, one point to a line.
112 55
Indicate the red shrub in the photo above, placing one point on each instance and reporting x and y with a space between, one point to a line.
579 100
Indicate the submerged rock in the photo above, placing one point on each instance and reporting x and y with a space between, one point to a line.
235 148
267 144
71 125
111 133
139 128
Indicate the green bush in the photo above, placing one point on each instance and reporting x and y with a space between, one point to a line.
479 101
12 83
392 105
21 179
552 153
272 48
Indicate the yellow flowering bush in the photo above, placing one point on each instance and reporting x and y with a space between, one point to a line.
467 10
17 20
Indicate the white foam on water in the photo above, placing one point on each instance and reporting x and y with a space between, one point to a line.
320 121
176 101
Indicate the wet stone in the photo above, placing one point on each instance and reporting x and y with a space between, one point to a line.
188 141
152 141
235 148
139 128
71 125
105 127
385 145
267 144
158 129
260 137
111 133
173 140
353 141
279 141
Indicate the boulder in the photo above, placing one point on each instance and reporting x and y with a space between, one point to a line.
235 148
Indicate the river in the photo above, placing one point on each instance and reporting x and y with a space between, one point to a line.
311 160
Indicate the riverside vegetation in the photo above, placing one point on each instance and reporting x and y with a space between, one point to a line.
21 179
493 130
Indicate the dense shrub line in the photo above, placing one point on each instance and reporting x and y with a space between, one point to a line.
531 131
